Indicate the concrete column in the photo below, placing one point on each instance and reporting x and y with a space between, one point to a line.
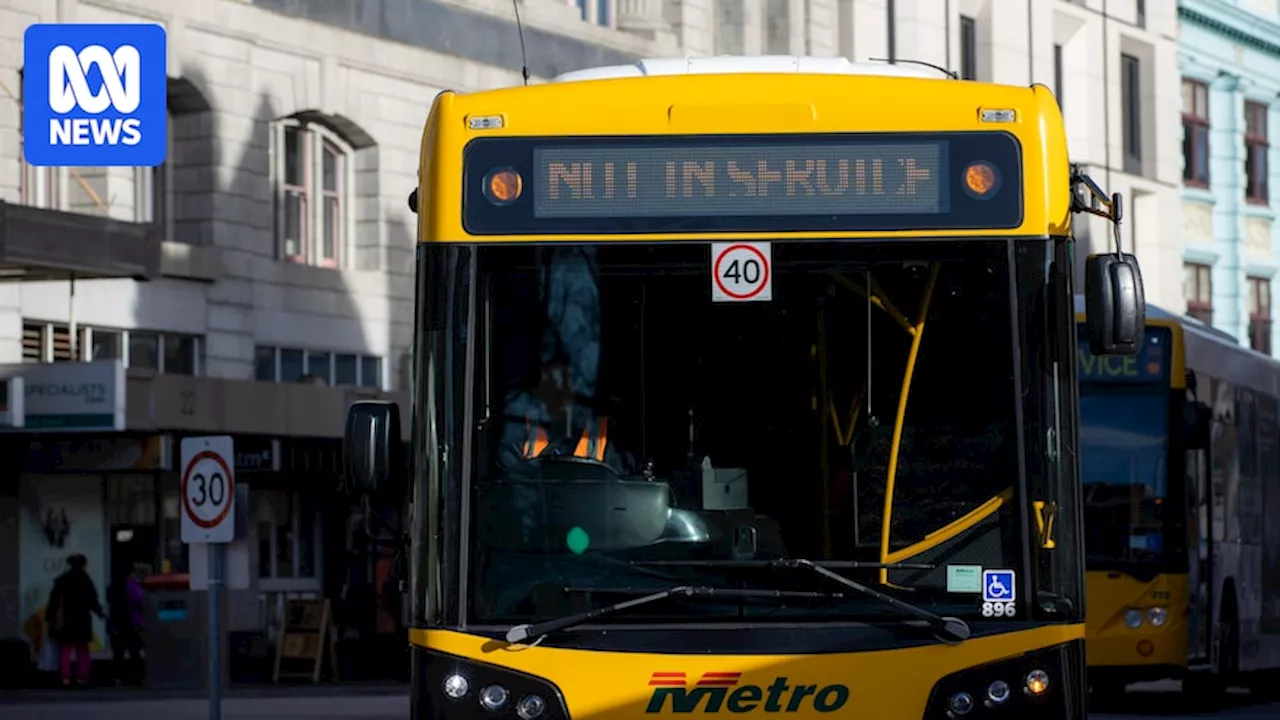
642 17
1226 110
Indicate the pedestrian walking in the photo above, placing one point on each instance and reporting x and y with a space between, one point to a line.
125 621
69 612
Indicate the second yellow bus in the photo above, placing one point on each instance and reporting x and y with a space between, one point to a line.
1180 458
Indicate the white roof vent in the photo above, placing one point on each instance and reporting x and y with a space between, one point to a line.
740 64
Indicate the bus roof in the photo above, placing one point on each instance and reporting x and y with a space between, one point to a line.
787 97
735 64
1215 353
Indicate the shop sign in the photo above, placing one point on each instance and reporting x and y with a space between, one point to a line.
71 397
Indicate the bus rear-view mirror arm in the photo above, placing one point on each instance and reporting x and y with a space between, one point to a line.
1115 300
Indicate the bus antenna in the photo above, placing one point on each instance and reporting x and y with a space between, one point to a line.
524 56
949 73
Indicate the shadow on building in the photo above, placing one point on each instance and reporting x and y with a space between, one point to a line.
106 480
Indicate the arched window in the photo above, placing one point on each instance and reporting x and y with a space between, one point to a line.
312 167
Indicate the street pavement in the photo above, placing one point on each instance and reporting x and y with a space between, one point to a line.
365 707
1154 701
1165 700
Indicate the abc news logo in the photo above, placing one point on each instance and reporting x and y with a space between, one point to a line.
96 94
69 91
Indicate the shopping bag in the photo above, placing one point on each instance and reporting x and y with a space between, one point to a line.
47 660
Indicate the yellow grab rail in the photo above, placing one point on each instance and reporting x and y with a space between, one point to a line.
917 332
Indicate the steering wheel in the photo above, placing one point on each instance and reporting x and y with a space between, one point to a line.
575 460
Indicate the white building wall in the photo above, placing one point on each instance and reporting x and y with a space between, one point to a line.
228 280
372 67
1093 106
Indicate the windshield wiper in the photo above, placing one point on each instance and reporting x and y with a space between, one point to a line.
523 632
947 629
784 563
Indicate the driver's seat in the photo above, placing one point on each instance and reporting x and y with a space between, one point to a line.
591 444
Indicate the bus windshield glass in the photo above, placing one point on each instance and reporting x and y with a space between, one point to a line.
1124 437
623 416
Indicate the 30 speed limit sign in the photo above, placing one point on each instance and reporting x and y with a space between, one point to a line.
208 487
741 271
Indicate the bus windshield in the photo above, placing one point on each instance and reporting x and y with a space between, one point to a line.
1124 465
621 417
1124 438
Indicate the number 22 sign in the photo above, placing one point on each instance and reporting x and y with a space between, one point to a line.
741 271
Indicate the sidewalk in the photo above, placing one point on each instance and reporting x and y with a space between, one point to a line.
133 696
344 707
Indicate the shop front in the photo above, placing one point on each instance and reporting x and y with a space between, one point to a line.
99 477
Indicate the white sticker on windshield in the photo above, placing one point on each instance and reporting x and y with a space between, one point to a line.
964 578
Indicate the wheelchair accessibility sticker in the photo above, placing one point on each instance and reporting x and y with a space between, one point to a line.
999 591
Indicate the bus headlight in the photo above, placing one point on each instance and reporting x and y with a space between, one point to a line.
998 692
960 703
1133 618
530 707
1032 685
456 686
493 697
1037 682
1157 616
486 691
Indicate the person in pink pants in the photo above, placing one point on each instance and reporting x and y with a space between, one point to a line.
72 605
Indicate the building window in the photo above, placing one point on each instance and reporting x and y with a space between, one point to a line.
313 171
1142 13
292 365
1260 315
1257 189
597 12
288 536
1131 112
173 552
169 353
46 342
968 48
153 190
37 186
1197 287
1057 74
1195 133
288 529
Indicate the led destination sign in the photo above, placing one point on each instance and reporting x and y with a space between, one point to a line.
900 181
1150 365
849 179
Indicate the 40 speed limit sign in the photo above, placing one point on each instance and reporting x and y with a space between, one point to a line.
741 271
208 486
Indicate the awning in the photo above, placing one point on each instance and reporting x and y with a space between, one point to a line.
40 244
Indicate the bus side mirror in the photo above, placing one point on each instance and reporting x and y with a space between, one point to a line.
1197 423
372 449
1115 304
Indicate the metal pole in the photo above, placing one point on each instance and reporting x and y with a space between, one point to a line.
72 328
215 631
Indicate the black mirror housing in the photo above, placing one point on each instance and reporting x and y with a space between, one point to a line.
1115 304
372 449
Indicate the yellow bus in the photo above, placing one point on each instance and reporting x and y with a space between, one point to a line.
1180 453
663 461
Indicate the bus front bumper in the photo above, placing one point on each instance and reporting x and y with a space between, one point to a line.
1120 656
920 683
